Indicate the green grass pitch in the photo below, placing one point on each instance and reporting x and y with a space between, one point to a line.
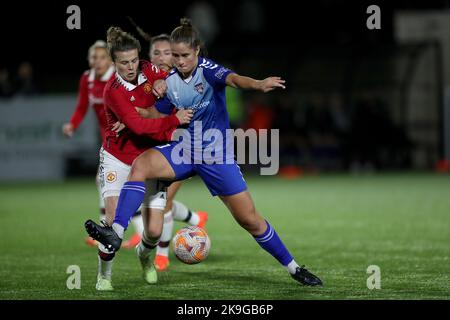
337 225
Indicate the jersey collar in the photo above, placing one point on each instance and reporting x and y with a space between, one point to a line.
108 74
129 86
104 78
187 80
91 76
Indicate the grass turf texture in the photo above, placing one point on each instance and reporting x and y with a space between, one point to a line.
336 225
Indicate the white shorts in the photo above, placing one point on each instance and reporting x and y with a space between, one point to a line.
113 173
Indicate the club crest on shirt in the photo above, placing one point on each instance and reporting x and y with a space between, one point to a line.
199 87
111 176
147 88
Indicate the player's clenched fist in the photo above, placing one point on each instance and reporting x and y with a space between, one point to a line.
159 88
185 115
68 129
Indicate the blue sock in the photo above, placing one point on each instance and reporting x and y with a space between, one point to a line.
131 197
270 242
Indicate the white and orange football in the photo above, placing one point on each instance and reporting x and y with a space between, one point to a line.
191 244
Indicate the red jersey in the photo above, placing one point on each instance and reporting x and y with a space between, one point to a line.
121 98
91 94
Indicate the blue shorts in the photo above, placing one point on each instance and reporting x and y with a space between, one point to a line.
221 179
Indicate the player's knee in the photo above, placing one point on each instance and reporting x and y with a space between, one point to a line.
250 222
251 226
139 170
153 232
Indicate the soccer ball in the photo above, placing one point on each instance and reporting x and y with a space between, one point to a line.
191 244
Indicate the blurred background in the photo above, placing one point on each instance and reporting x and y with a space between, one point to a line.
364 148
357 100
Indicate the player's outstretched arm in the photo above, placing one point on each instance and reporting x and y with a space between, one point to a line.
241 82
123 109
81 108
184 117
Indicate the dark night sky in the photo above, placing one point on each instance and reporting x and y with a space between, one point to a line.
36 31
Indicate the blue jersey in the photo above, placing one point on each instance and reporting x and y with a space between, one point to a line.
203 92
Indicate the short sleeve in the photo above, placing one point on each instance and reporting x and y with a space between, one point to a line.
164 105
214 73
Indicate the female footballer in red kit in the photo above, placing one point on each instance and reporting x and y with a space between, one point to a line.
92 84
136 83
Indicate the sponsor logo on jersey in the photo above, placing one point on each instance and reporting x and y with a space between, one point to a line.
95 100
200 105
147 88
219 74
111 176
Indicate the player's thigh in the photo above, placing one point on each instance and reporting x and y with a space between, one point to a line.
173 189
171 192
112 175
240 205
151 164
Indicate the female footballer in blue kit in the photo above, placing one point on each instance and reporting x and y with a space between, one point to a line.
199 84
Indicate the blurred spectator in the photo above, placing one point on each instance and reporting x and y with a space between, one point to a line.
203 16
290 121
25 84
375 141
363 136
235 104
339 115
320 130
235 107
260 115
6 88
